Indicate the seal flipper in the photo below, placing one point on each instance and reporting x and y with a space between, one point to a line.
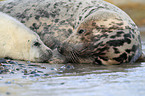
141 58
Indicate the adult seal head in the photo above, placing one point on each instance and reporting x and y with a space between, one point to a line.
104 37
19 42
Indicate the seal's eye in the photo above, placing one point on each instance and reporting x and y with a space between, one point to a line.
81 31
37 44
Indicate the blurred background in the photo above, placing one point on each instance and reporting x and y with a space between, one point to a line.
134 8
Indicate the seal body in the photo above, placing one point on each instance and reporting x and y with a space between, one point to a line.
19 42
91 31
104 37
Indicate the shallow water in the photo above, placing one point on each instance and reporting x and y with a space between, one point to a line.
120 80
73 80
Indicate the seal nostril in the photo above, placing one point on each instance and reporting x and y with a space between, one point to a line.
60 50
50 53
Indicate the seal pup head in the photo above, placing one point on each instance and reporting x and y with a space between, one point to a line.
19 42
102 38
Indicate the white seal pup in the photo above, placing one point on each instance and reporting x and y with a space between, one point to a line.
19 42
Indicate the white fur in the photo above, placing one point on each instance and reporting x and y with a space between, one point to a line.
17 41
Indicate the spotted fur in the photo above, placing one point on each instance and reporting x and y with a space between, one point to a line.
97 31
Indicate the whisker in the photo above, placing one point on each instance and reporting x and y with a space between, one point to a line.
77 57
74 57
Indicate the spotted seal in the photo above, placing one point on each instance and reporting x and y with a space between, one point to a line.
19 42
104 37
92 31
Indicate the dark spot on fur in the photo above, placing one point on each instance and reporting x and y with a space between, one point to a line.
104 58
114 27
62 22
102 26
104 30
93 24
96 39
119 19
26 10
80 17
48 5
90 12
37 17
116 50
113 36
120 42
98 61
55 5
43 13
121 58
110 31
104 35
118 34
113 22
120 23
133 36
103 49
139 38
115 43
53 14
46 28
105 20
35 26
56 20
134 48
127 27
127 35
22 21
128 50
87 33
19 15
70 31
127 40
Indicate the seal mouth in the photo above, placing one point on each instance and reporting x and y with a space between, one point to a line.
46 56
73 54
43 57
70 53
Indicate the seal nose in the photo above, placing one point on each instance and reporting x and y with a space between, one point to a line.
50 53
60 49
46 55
